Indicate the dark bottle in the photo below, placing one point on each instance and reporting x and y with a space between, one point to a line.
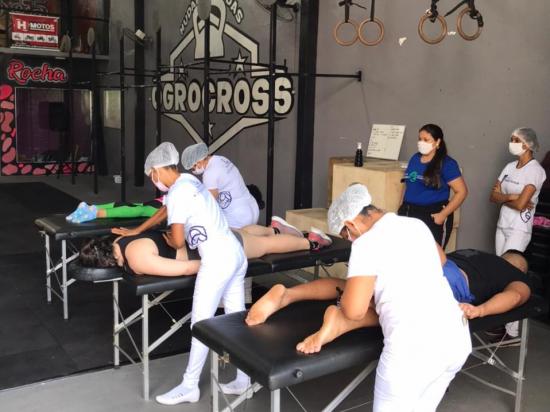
359 156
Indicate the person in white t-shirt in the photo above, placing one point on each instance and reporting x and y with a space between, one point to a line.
517 191
394 259
195 217
222 178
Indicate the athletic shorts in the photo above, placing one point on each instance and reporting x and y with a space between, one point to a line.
488 274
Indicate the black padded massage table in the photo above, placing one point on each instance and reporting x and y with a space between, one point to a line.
267 352
57 228
153 290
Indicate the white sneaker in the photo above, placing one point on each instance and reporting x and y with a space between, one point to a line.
179 394
237 387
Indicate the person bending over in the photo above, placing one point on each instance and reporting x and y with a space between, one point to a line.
223 179
395 260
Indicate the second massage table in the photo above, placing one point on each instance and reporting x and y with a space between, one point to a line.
267 352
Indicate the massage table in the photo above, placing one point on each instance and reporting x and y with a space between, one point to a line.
153 291
267 352
55 228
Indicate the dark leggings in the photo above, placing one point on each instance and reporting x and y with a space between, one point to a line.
442 232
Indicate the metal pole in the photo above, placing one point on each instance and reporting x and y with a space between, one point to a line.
122 124
139 106
95 114
271 111
158 94
69 114
206 88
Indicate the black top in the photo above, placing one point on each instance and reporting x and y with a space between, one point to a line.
164 249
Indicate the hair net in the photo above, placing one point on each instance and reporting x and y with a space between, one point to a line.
528 136
165 154
192 154
347 206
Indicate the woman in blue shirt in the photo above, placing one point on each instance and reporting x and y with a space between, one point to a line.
429 177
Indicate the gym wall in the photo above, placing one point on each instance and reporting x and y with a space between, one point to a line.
477 91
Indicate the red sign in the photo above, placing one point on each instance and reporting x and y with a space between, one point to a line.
29 30
22 74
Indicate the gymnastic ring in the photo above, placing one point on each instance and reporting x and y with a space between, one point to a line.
427 16
337 27
461 31
380 28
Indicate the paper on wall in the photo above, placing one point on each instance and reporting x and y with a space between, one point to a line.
385 141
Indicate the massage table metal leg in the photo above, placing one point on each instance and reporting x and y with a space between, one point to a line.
116 337
64 285
521 366
351 387
276 400
145 344
214 380
48 267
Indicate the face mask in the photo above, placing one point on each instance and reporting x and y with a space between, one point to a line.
425 147
158 184
198 171
516 148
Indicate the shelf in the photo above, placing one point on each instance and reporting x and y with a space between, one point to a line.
56 54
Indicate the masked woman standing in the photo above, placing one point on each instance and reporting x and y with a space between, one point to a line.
429 178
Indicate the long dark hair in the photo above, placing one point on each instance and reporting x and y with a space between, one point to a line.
432 175
98 252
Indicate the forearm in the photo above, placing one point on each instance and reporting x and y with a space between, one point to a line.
154 220
454 203
516 204
500 303
498 197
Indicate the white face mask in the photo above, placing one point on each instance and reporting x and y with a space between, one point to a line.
198 171
158 184
516 148
425 147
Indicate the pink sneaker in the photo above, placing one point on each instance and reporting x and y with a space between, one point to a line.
319 237
284 227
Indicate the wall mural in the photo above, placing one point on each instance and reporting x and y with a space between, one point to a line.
240 97
43 75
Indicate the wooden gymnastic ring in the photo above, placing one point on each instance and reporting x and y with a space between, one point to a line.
380 36
337 27
461 31
427 16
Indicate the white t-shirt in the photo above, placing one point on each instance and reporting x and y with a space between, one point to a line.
238 205
189 203
512 181
414 302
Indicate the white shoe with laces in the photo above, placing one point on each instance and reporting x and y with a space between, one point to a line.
237 387
179 394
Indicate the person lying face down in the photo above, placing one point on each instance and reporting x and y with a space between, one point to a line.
149 253
486 284
395 260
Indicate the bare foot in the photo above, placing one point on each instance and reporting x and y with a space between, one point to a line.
327 333
268 304
471 311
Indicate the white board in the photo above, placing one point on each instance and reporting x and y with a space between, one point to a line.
385 141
